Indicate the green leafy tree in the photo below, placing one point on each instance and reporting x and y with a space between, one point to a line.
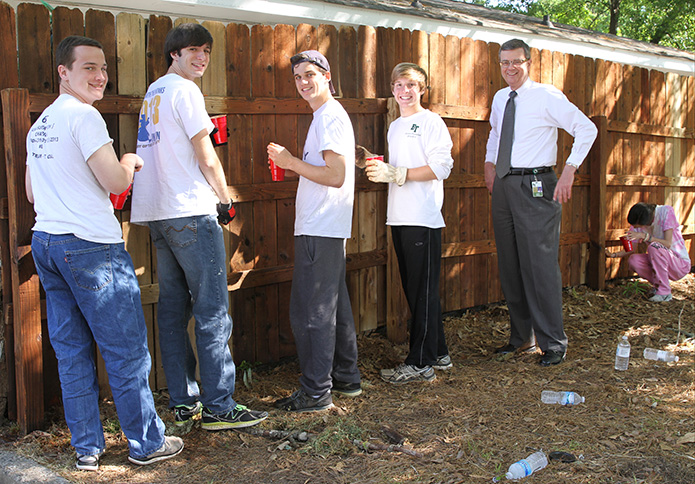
665 22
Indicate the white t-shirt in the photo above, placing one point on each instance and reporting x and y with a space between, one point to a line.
417 140
68 198
170 184
321 210
540 110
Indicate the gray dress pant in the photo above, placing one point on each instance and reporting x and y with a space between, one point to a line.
527 234
321 315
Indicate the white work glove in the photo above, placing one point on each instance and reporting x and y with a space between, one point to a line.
380 172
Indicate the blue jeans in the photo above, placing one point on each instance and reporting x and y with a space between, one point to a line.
192 272
92 295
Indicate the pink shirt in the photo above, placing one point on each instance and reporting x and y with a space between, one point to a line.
665 219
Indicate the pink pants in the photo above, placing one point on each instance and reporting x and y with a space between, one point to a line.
659 265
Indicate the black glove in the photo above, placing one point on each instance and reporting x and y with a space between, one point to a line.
225 213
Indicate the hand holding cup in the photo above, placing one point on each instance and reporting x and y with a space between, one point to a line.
278 160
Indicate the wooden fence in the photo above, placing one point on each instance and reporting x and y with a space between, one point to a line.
645 152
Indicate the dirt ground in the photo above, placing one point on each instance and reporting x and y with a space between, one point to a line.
468 425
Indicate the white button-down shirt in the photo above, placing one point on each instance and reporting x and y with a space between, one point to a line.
540 110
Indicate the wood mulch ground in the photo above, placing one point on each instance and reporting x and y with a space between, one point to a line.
467 426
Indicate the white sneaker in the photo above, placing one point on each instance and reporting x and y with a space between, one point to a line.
661 297
407 373
443 363
171 447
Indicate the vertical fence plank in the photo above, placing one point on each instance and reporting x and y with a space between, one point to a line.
597 160
287 135
36 67
450 290
28 347
9 77
64 22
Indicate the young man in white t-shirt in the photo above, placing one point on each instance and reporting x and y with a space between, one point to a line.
92 293
419 162
320 311
182 195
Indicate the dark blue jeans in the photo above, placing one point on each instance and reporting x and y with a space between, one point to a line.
192 273
92 294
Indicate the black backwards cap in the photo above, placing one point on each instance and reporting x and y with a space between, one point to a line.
316 58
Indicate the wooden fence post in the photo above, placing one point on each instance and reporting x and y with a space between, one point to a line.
598 157
25 282
396 306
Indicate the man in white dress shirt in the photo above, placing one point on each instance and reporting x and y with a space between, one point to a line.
527 198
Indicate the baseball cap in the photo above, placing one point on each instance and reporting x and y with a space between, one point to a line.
316 58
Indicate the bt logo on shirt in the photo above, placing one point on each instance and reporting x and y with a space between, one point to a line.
413 131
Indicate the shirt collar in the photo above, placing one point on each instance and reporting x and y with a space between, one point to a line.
524 87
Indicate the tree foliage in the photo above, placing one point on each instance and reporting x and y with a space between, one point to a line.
665 22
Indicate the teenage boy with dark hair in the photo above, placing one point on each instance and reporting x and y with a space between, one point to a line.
181 194
92 293
419 162
320 311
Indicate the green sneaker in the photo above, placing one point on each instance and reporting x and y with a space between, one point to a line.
237 418
183 413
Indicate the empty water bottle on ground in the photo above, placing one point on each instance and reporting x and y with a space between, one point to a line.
526 467
562 398
622 354
659 355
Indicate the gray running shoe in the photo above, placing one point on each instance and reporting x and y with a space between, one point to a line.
443 363
346 389
172 446
237 418
299 401
407 373
184 413
661 297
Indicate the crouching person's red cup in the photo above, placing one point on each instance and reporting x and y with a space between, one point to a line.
276 172
219 134
118 201
627 243
379 158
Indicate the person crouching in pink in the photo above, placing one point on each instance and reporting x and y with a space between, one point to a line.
666 257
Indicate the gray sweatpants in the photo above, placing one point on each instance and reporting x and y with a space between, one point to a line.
321 315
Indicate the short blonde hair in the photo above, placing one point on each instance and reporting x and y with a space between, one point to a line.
410 71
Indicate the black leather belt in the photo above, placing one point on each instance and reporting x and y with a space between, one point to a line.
530 171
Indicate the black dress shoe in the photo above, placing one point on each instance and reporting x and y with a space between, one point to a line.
551 357
508 348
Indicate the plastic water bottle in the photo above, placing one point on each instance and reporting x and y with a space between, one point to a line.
526 467
622 354
659 355
562 398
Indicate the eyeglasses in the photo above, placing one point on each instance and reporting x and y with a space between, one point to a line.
515 62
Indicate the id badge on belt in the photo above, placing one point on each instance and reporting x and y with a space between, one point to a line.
537 187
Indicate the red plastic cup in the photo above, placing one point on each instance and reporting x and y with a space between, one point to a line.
276 172
119 200
627 244
379 157
220 134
